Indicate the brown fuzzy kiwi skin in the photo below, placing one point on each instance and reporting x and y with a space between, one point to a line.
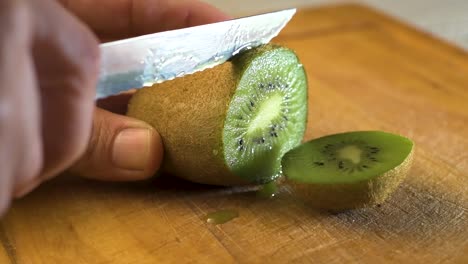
165 107
340 197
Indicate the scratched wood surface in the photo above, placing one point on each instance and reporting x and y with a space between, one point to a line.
366 71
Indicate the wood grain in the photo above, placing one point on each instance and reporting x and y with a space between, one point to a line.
366 71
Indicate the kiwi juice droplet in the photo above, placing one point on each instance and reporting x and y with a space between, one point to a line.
268 190
221 216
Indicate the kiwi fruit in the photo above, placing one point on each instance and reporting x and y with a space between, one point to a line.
232 124
348 170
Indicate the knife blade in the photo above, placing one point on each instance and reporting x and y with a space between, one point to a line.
142 61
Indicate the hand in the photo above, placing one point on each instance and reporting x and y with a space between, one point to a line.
123 148
49 62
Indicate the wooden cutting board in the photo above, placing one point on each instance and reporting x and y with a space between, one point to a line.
366 71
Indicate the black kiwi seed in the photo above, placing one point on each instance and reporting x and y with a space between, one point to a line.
259 140
241 142
319 163
340 164
252 104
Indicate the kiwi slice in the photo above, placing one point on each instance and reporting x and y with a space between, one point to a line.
231 124
348 170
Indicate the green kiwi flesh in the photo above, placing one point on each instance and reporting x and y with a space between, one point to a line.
267 114
231 124
348 170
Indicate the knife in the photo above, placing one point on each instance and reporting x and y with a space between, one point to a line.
142 61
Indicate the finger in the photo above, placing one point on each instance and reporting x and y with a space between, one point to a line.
66 56
124 18
20 137
121 149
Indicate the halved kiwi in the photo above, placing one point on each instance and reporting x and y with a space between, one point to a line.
231 124
348 170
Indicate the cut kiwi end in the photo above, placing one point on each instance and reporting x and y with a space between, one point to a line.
231 124
348 170
267 115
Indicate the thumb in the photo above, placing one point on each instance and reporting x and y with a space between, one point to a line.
121 149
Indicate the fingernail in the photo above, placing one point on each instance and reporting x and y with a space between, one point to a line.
131 149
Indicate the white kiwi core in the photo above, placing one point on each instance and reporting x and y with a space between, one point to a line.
268 110
351 153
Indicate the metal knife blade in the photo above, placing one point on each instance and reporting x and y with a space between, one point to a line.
142 61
